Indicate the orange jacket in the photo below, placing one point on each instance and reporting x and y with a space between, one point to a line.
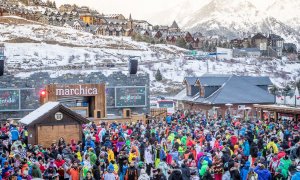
74 173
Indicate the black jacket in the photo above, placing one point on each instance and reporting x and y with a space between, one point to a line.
175 175
185 172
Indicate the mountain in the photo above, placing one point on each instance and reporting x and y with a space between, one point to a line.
286 11
224 17
179 12
239 17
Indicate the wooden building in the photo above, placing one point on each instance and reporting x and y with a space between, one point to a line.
277 112
52 121
87 99
220 95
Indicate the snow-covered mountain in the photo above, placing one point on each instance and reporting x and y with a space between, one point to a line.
287 11
234 18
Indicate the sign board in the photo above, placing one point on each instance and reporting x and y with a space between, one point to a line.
9 100
58 116
76 90
130 96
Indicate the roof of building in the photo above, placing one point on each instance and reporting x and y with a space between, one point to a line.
232 89
275 37
174 25
47 109
116 21
259 36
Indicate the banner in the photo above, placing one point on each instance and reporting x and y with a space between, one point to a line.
9 100
130 96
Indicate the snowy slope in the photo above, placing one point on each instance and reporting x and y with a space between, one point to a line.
33 48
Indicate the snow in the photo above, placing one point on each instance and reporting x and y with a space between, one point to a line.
38 112
67 51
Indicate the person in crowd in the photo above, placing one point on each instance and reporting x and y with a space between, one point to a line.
186 145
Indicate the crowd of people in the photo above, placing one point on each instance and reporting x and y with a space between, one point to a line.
183 146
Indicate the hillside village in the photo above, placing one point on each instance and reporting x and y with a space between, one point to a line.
88 20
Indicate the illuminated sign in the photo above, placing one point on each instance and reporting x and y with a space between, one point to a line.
76 90
130 96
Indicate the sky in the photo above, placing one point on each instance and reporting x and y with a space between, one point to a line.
141 9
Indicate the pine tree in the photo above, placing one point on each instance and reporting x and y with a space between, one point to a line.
180 42
158 76
286 90
274 89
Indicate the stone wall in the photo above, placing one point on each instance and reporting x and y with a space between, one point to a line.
40 79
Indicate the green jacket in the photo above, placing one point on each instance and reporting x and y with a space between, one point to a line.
284 166
183 140
93 158
204 166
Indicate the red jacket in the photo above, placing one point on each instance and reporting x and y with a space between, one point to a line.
234 140
59 163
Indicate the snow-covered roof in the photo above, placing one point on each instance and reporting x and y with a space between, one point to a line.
38 112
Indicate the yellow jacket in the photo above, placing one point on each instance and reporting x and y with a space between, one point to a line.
131 156
111 155
79 156
116 168
273 145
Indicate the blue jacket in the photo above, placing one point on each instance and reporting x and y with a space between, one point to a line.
245 171
89 143
263 174
296 176
175 156
246 148
14 134
169 119
242 131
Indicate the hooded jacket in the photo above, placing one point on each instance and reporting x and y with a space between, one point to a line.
245 171
144 176
263 174
203 168
296 176
176 175
246 148
274 147
186 175
284 166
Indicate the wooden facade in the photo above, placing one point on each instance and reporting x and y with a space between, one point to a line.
96 91
47 129
158 112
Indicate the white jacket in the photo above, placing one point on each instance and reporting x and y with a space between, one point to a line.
148 156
